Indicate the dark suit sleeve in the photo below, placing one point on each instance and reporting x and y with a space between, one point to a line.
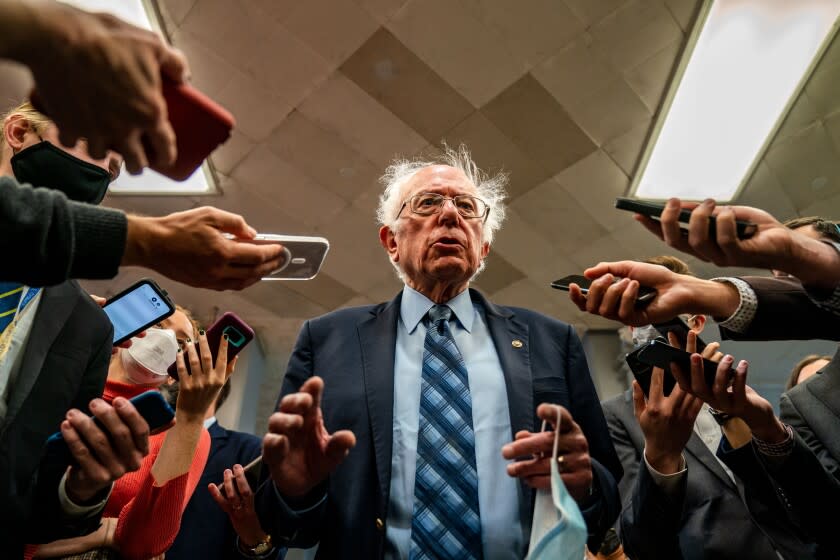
651 522
605 506
785 312
790 415
51 239
299 526
52 522
627 451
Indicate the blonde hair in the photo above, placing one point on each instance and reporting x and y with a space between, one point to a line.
38 120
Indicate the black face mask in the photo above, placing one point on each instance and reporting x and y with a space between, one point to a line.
46 165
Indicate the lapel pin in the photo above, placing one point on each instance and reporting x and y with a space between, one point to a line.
516 343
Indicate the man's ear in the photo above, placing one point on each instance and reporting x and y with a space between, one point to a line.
697 324
485 250
389 242
14 131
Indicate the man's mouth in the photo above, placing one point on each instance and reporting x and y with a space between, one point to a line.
448 241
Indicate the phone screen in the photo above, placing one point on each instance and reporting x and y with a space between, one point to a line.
139 307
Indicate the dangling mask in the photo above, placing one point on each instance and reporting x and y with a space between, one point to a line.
46 165
558 531
147 360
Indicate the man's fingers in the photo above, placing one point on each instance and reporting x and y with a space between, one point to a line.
296 403
173 65
81 453
314 386
549 412
218 498
233 224
274 449
638 399
339 445
657 384
669 220
230 491
119 433
283 423
653 226
711 351
241 482
161 141
95 440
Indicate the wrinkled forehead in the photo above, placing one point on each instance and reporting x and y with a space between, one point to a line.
439 178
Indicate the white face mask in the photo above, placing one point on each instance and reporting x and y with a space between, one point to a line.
643 335
558 531
147 360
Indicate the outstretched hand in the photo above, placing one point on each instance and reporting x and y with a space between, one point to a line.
298 450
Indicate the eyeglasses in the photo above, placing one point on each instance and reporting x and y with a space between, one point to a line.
426 204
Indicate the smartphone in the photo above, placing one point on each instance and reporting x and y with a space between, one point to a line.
658 353
304 255
152 407
744 230
645 294
680 329
238 332
137 308
200 126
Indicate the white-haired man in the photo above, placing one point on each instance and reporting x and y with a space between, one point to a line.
441 393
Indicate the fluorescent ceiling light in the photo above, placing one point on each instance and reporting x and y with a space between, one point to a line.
749 61
142 14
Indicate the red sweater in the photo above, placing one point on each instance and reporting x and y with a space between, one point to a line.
149 515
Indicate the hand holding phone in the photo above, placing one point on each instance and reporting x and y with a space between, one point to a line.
651 209
659 353
137 308
151 406
644 296
229 324
303 255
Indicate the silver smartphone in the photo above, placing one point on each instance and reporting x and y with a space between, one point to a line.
304 255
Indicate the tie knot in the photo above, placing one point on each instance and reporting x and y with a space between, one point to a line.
439 313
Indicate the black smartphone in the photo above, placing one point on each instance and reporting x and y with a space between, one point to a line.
152 407
680 329
137 308
658 353
238 332
645 294
642 373
744 230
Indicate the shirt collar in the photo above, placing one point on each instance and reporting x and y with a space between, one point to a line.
209 422
415 305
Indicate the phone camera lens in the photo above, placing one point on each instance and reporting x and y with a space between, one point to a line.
154 299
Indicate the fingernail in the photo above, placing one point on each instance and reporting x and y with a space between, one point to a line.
71 414
728 358
179 350
743 364
201 332
120 403
226 337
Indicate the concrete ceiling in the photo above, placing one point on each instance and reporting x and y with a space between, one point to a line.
560 94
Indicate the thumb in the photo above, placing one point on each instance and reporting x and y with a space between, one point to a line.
339 444
233 224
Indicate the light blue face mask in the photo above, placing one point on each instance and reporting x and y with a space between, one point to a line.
558 531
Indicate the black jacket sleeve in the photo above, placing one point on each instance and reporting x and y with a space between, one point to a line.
51 239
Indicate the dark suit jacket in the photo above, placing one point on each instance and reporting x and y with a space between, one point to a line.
785 312
64 366
812 408
707 519
206 531
353 350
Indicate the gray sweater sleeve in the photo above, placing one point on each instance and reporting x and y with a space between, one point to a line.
46 238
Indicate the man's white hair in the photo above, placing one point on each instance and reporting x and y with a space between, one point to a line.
490 189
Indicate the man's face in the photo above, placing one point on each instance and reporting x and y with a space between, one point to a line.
112 162
443 247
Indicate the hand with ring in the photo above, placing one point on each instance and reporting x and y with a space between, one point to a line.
235 497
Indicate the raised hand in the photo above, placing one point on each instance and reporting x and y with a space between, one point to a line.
236 498
298 450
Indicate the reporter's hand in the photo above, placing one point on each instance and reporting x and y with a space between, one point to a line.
667 422
108 89
199 388
189 247
572 447
103 455
236 498
675 294
730 394
298 450
710 352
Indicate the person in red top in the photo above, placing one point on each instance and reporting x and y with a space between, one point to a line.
143 512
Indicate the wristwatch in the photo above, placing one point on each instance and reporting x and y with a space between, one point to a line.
260 549
720 417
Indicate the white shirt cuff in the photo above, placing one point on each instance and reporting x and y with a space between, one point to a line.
669 483
72 509
747 307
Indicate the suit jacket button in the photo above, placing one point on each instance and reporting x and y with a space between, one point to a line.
380 525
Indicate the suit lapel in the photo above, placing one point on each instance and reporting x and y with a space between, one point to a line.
516 366
698 449
378 339
824 386
56 304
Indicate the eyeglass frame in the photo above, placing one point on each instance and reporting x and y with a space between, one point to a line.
440 208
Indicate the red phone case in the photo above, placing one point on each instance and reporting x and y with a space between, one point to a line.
200 126
239 335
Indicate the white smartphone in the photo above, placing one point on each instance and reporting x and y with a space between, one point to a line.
304 255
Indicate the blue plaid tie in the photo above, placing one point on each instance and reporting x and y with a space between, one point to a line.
446 523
